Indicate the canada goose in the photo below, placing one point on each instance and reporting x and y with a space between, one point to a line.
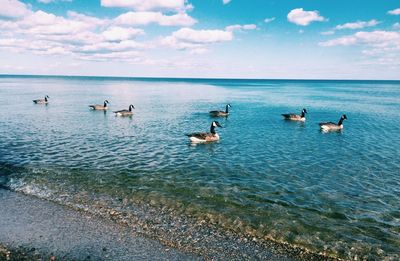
296 117
125 112
100 107
221 113
200 137
42 101
331 126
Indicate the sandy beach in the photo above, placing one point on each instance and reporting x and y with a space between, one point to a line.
38 229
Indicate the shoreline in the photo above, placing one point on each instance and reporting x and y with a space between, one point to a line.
25 225
34 228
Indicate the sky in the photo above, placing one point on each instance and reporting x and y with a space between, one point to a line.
267 39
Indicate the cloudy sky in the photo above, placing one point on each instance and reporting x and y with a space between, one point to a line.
331 39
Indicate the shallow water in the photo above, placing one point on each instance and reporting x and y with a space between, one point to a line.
329 192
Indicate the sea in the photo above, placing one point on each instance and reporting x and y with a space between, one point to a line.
335 193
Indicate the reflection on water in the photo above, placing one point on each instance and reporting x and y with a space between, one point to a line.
273 178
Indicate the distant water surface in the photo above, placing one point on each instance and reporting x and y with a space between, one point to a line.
329 192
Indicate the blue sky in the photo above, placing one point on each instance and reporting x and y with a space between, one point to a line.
202 38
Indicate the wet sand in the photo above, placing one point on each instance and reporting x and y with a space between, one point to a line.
32 228
40 229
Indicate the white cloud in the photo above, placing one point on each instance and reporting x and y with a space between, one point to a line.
102 47
77 35
394 11
199 51
77 39
345 40
12 67
116 33
375 39
87 19
42 23
238 27
379 47
202 36
196 41
249 27
269 20
126 56
300 17
357 25
47 24
52 1
175 43
146 5
42 18
328 32
13 9
34 46
144 18
10 42
225 2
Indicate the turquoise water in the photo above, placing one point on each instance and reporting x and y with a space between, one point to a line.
329 192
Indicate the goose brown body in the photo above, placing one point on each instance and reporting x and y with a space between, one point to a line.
295 117
221 113
201 137
128 112
42 101
100 107
331 126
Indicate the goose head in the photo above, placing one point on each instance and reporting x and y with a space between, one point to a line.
47 97
227 108
131 107
216 124
105 101
304 110
344 117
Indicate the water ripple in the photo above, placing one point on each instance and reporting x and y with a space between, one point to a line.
333 192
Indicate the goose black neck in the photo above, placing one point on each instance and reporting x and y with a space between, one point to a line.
212 129
340 121
45 98
226 109
130 108
303 114
105 104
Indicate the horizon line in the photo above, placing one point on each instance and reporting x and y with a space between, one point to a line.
191 78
